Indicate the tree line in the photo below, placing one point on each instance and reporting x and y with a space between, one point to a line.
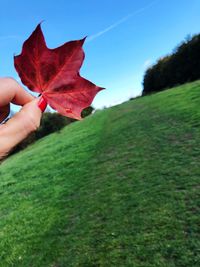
182 66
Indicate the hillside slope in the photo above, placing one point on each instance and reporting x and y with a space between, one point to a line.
117 189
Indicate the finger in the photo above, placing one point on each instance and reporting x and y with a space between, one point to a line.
12 92
19 126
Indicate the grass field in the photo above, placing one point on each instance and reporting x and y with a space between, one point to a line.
118 189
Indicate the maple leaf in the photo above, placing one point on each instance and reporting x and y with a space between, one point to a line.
54 73
4 113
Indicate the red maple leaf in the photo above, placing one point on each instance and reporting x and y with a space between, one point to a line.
55 74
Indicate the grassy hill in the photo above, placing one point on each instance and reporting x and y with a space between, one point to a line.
117 189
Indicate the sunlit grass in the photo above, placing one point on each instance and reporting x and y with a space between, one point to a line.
120 188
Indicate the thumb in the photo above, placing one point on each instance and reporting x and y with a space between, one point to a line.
24 122
28 118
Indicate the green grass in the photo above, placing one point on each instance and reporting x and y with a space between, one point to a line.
119 189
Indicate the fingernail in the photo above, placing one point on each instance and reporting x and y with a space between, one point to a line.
42 104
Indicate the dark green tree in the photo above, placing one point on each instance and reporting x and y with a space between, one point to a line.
183 65
87 111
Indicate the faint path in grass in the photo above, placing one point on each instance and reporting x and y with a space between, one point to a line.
120 188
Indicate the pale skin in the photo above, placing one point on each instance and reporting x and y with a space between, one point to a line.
24 122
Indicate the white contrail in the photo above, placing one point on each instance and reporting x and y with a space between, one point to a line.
114 25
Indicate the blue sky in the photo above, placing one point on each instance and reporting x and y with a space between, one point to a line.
124 36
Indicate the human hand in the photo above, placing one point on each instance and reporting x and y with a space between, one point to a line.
22 123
